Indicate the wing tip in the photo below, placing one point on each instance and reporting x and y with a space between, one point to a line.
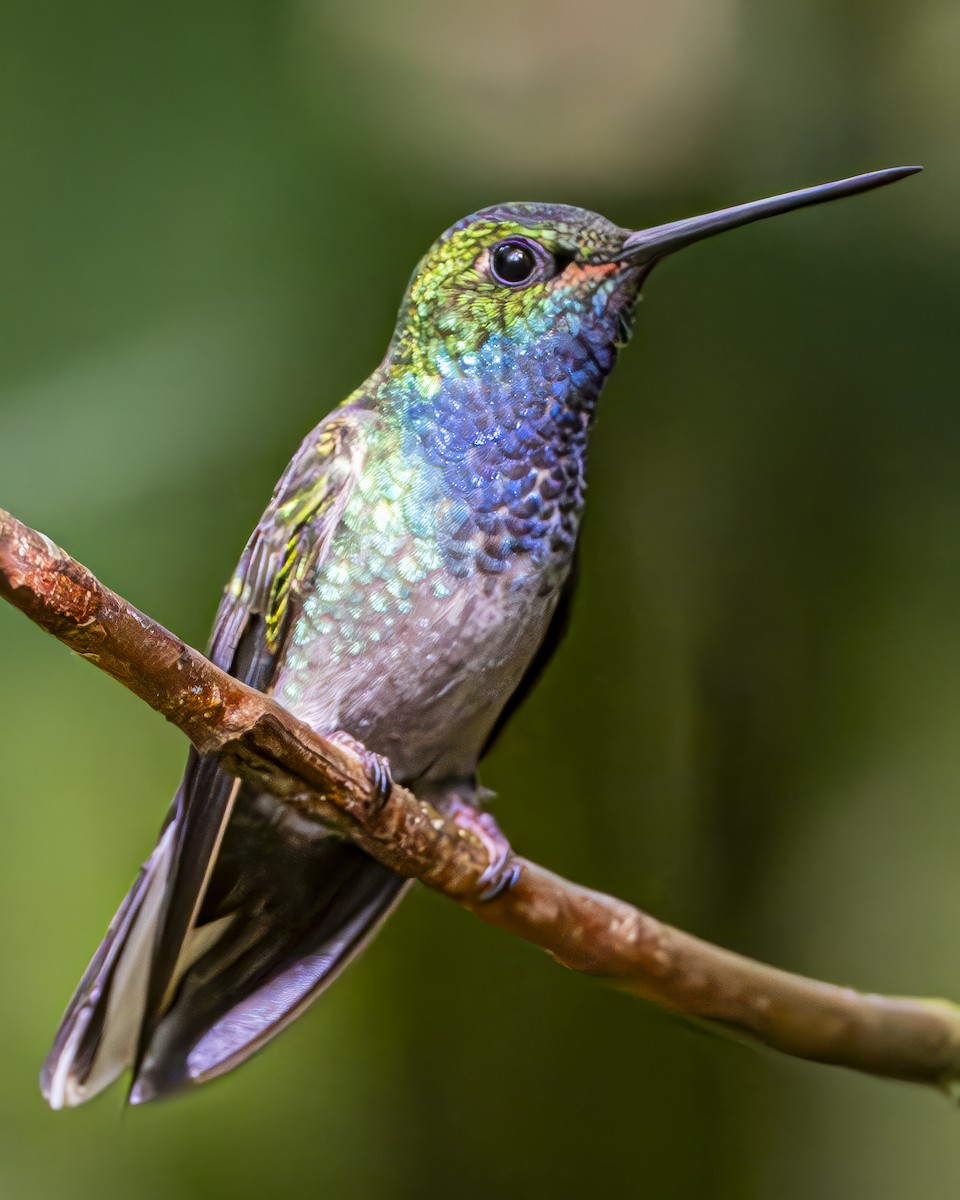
141 1092
96 1041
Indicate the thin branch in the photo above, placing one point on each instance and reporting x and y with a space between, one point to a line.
251 736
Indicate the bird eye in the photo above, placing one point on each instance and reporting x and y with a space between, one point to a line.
513 263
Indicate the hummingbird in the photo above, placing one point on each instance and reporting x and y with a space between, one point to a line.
406 586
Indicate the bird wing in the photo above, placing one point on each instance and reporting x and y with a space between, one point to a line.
152 940
259 605
290 542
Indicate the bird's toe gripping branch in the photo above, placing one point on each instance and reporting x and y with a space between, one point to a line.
375 765
503 870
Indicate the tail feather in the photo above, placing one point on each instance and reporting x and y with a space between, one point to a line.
98 1036
265 972
284 912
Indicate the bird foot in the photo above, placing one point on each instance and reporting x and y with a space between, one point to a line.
503 870
375 765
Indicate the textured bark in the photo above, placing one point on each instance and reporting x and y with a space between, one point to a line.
900 1038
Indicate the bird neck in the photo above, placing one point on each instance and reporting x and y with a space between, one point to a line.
503 428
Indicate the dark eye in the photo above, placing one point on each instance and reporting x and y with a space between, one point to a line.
513 263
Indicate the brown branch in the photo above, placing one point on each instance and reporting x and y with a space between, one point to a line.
917 1040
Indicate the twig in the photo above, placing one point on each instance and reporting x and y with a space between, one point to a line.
899 1038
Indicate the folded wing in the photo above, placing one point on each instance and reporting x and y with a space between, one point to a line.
240 916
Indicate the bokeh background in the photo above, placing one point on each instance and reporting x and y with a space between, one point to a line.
208 214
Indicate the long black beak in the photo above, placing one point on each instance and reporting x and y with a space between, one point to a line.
650 245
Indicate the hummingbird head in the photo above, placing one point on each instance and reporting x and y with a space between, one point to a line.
506 335
516 275
522 278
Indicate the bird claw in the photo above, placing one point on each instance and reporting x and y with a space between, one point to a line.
375 765
502 871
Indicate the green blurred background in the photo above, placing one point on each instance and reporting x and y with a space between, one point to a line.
207 217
